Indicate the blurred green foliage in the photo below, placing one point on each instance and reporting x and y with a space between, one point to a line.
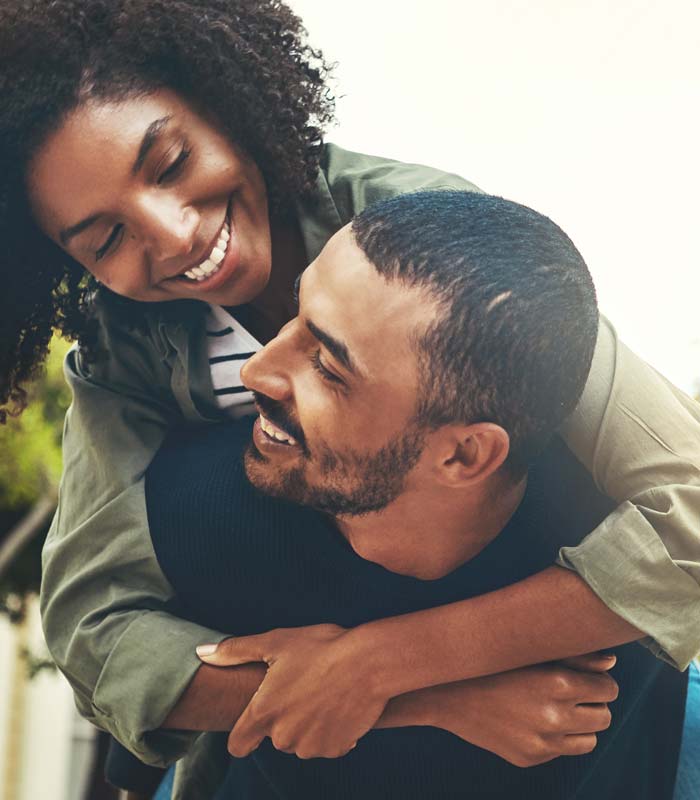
31 443
30 467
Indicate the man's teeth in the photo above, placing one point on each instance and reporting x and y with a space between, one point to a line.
275 432
212 264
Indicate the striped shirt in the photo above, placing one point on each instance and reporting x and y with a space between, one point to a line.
229 346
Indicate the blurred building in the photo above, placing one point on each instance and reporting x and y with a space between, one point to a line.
46 749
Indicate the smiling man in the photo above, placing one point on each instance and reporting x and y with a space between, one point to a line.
441 340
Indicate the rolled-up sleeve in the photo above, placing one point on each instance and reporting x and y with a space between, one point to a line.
104 598
639 436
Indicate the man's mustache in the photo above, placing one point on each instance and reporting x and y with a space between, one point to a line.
278 415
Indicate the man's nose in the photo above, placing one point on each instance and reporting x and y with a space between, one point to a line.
267 372
170 228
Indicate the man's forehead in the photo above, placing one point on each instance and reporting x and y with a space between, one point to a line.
343 293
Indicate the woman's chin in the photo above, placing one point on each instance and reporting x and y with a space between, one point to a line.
248 285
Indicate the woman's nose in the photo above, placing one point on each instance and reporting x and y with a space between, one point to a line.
170 229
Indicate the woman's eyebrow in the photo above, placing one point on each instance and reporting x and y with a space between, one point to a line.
68 233
150 137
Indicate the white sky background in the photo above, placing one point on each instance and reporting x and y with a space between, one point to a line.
587 111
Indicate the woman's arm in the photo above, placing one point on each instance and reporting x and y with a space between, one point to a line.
639 437
327 673
526 716
104 598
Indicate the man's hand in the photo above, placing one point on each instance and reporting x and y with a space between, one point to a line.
530 715
317 698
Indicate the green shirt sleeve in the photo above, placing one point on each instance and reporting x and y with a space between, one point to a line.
639 436
103 595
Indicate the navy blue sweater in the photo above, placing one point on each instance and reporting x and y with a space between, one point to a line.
244 563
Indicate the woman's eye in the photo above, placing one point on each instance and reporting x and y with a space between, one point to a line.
114 237
326 374
176 167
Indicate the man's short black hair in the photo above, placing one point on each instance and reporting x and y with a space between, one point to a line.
515 342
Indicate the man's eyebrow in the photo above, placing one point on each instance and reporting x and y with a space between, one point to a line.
150 137
335 347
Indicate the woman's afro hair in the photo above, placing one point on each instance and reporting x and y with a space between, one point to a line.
245 60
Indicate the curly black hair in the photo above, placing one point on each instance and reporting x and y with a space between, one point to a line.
247 59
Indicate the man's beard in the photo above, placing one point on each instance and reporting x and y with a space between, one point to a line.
353 483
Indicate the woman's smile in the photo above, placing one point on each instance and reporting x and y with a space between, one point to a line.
213 262
154 201
215 266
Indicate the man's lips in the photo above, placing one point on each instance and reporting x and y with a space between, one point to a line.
275 433
278 419
269 445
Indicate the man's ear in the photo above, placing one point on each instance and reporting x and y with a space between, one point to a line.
468 454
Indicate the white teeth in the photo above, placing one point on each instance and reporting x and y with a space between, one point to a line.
275 432
217 256
211 266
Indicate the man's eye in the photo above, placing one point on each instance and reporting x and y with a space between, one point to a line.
176 167
326 374
114 237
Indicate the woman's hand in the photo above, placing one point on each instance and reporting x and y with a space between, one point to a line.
317 698
529 716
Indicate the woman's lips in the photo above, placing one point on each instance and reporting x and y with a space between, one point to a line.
226 267
217 252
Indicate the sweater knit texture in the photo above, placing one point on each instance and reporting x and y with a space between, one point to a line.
245 563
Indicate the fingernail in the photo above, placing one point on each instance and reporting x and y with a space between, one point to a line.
206 649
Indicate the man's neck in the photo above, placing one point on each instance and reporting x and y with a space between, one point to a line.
427 533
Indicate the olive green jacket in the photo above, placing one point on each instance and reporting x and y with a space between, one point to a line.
104 598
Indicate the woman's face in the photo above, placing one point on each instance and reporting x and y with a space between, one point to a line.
155 201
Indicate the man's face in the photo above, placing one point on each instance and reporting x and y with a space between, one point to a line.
337 389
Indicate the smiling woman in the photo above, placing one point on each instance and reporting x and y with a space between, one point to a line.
183 214
129 176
